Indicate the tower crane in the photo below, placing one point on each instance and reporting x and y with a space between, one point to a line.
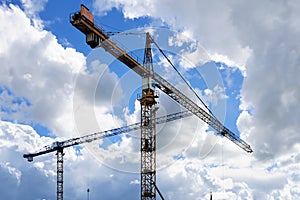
58 147
96 37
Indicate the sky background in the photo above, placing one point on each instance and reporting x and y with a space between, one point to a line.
241 57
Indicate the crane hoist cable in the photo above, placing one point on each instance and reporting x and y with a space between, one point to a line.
170 62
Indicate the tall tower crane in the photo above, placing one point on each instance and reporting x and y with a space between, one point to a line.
96 37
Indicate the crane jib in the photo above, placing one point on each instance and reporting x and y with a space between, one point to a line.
103 41
103 134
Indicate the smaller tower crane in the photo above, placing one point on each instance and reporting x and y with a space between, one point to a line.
58 147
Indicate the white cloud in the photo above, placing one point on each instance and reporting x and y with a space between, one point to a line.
44 75
32 8
14 172
209 22
14 141
244 123
215 95
196 55
179 39
271 88
43 72
95 96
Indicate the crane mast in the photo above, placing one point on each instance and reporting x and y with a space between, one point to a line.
148 130
60 173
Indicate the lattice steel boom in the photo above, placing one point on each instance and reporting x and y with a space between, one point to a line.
96 37
103 134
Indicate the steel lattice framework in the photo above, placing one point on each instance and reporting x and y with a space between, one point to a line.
60 172
148 129
148 152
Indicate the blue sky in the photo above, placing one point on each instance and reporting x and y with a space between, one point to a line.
241 63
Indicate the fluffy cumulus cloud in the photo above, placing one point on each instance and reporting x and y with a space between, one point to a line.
271 89
14 141
39 77
207 21
36 72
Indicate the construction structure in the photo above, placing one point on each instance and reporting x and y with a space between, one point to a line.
96 37
148 130
58 147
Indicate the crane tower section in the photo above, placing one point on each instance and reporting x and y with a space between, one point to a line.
148 129
60 171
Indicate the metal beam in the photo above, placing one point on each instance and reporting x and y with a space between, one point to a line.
148 129
60 174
